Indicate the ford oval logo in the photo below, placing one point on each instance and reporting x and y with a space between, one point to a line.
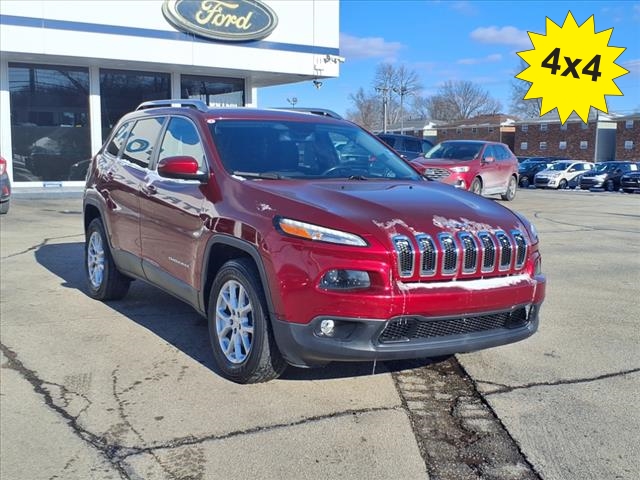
230 20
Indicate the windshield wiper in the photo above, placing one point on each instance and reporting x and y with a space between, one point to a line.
265 175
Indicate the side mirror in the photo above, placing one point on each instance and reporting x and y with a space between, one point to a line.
181 167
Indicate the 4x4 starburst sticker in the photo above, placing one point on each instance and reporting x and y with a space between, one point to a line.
572 68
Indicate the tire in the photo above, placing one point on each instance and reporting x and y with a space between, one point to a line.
510 193
476 186
609 186
239 328
563 184
4 207
524 182
104 281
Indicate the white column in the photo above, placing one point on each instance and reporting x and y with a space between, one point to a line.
95 109
5 118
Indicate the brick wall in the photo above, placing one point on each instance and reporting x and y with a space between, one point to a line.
628 130
488 133
572 134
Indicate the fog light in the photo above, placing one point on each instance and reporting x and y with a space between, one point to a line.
328 327
345 280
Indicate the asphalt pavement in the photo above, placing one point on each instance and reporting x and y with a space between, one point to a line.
128 389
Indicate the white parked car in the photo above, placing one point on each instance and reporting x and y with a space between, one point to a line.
560 173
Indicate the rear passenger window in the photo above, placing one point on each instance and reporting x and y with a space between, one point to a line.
412 145
118 139
501 152
141 141
182 139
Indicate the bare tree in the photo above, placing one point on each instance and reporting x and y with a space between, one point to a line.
457 100
394 84
519 88
366 112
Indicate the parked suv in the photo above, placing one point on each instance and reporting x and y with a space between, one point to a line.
296 255
528 169
484 168
560 173
607 175
407 146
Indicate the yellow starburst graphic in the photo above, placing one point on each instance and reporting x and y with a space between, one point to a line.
572 68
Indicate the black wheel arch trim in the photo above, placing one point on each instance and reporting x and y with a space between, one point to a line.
244 246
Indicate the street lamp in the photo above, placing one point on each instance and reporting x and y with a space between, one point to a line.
384 91
293 101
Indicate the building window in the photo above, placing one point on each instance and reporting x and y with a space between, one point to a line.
458 130
562 145
525 128
214 91
543 145
443 132
524 145
543 127
563 126
584 126
49 122
490 129
584 145
474 130
628 145
123 90
628 124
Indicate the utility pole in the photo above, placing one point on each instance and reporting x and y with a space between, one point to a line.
384 91
402 91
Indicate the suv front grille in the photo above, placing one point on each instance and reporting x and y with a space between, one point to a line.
434 173
406 329
467 253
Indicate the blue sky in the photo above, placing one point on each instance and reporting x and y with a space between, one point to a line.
459 40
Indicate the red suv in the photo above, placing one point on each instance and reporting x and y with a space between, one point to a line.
296 254
485 168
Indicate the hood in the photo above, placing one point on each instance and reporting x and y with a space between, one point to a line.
383 209
440 162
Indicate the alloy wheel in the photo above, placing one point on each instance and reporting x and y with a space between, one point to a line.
234 322
95 260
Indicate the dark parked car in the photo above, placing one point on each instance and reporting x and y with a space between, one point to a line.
607 175
407 146
484 168
295 255
630 182
527 170
5 187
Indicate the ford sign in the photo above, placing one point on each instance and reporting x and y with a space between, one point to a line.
229 20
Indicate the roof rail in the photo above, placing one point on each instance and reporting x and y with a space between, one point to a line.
180 102
316 111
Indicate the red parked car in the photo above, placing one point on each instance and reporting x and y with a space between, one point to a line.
485 168
5 187
295 254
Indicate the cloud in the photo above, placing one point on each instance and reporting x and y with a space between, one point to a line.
355 48
464 8
494 57
633 66
505 36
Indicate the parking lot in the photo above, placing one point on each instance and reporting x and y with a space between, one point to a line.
128 389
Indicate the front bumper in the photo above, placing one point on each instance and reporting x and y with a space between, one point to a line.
404 337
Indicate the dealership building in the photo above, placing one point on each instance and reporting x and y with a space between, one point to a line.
70 69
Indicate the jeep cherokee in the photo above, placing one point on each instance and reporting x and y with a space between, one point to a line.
296 255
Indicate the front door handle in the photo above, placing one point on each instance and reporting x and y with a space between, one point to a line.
149 189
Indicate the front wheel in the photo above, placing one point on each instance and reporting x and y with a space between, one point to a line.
4 207
524 182
510 193
476 186
609 186
563 184
239 329
104 280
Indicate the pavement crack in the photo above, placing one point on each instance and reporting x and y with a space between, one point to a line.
39 245
508 388
191 440
40 387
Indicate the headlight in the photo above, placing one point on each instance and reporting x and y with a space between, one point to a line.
315 232
459 169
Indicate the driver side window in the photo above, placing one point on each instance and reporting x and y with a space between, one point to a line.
181 139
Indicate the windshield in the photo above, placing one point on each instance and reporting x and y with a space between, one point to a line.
284 149
606 167
455 150
559 166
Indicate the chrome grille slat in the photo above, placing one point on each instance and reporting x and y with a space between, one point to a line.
465 252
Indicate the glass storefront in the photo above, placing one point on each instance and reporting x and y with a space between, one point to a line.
50 132
123 90
214 91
